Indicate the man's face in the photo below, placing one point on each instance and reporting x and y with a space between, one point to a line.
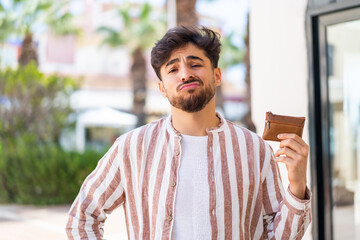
188 79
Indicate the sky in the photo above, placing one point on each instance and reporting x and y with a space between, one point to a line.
232 13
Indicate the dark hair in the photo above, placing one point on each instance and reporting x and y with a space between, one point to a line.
177 37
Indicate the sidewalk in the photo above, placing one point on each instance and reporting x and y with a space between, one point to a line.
43 223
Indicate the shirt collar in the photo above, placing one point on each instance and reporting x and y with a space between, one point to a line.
218 128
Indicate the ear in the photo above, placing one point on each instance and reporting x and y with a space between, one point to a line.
217 73
162 89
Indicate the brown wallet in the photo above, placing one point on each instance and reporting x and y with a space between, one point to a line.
276 124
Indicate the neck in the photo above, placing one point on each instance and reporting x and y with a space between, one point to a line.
195 124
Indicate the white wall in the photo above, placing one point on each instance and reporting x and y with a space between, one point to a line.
279 70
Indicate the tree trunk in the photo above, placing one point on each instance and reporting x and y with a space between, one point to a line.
185 13
28 51
247 119
138 74
219 99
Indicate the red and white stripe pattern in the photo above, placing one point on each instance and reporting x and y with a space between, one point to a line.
247 199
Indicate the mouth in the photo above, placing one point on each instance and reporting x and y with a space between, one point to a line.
189 85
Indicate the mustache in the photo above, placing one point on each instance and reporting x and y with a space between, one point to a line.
189 81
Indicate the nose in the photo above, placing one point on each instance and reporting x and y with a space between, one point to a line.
185 74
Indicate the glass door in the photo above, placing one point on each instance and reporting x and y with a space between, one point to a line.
341 75
343 45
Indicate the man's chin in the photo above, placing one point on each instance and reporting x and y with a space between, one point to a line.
190 109
187 91
191 102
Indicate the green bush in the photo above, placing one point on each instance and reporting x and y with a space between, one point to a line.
42 174
34 108
32 102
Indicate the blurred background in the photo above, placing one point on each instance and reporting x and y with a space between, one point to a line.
76 74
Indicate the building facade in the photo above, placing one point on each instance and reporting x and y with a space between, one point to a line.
305 61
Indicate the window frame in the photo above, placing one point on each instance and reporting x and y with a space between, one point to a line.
318 18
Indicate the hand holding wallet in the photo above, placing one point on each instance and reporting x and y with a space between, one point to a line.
276 124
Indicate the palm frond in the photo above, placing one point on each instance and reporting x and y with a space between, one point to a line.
43 6
124 14
139 27
111 36
145 11
231 53
63 25
106 30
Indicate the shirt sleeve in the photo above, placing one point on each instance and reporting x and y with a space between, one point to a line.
285 215
99 195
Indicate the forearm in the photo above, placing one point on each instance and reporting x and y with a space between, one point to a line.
292 218
286 214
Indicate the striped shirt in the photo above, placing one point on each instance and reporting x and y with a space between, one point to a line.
140 172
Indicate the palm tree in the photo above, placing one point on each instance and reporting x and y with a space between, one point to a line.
186 13
138 33
248 119
24 16
231 54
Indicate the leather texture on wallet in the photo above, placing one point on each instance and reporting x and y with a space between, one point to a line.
276 124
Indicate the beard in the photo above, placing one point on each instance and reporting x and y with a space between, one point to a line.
198 98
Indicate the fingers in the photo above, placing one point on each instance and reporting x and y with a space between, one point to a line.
295 143
283 159
285 151
294 153
293 149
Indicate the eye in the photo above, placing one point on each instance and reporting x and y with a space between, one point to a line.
172 70
196 65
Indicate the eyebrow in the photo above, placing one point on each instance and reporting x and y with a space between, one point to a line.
188 57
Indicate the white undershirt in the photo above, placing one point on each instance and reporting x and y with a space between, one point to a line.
191 218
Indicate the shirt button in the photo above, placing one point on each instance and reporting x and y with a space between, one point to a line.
177 153
173 184
213 212
169 218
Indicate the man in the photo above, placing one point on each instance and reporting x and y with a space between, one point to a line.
194 175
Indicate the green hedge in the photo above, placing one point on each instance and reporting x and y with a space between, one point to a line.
34 109
33 112
42 174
